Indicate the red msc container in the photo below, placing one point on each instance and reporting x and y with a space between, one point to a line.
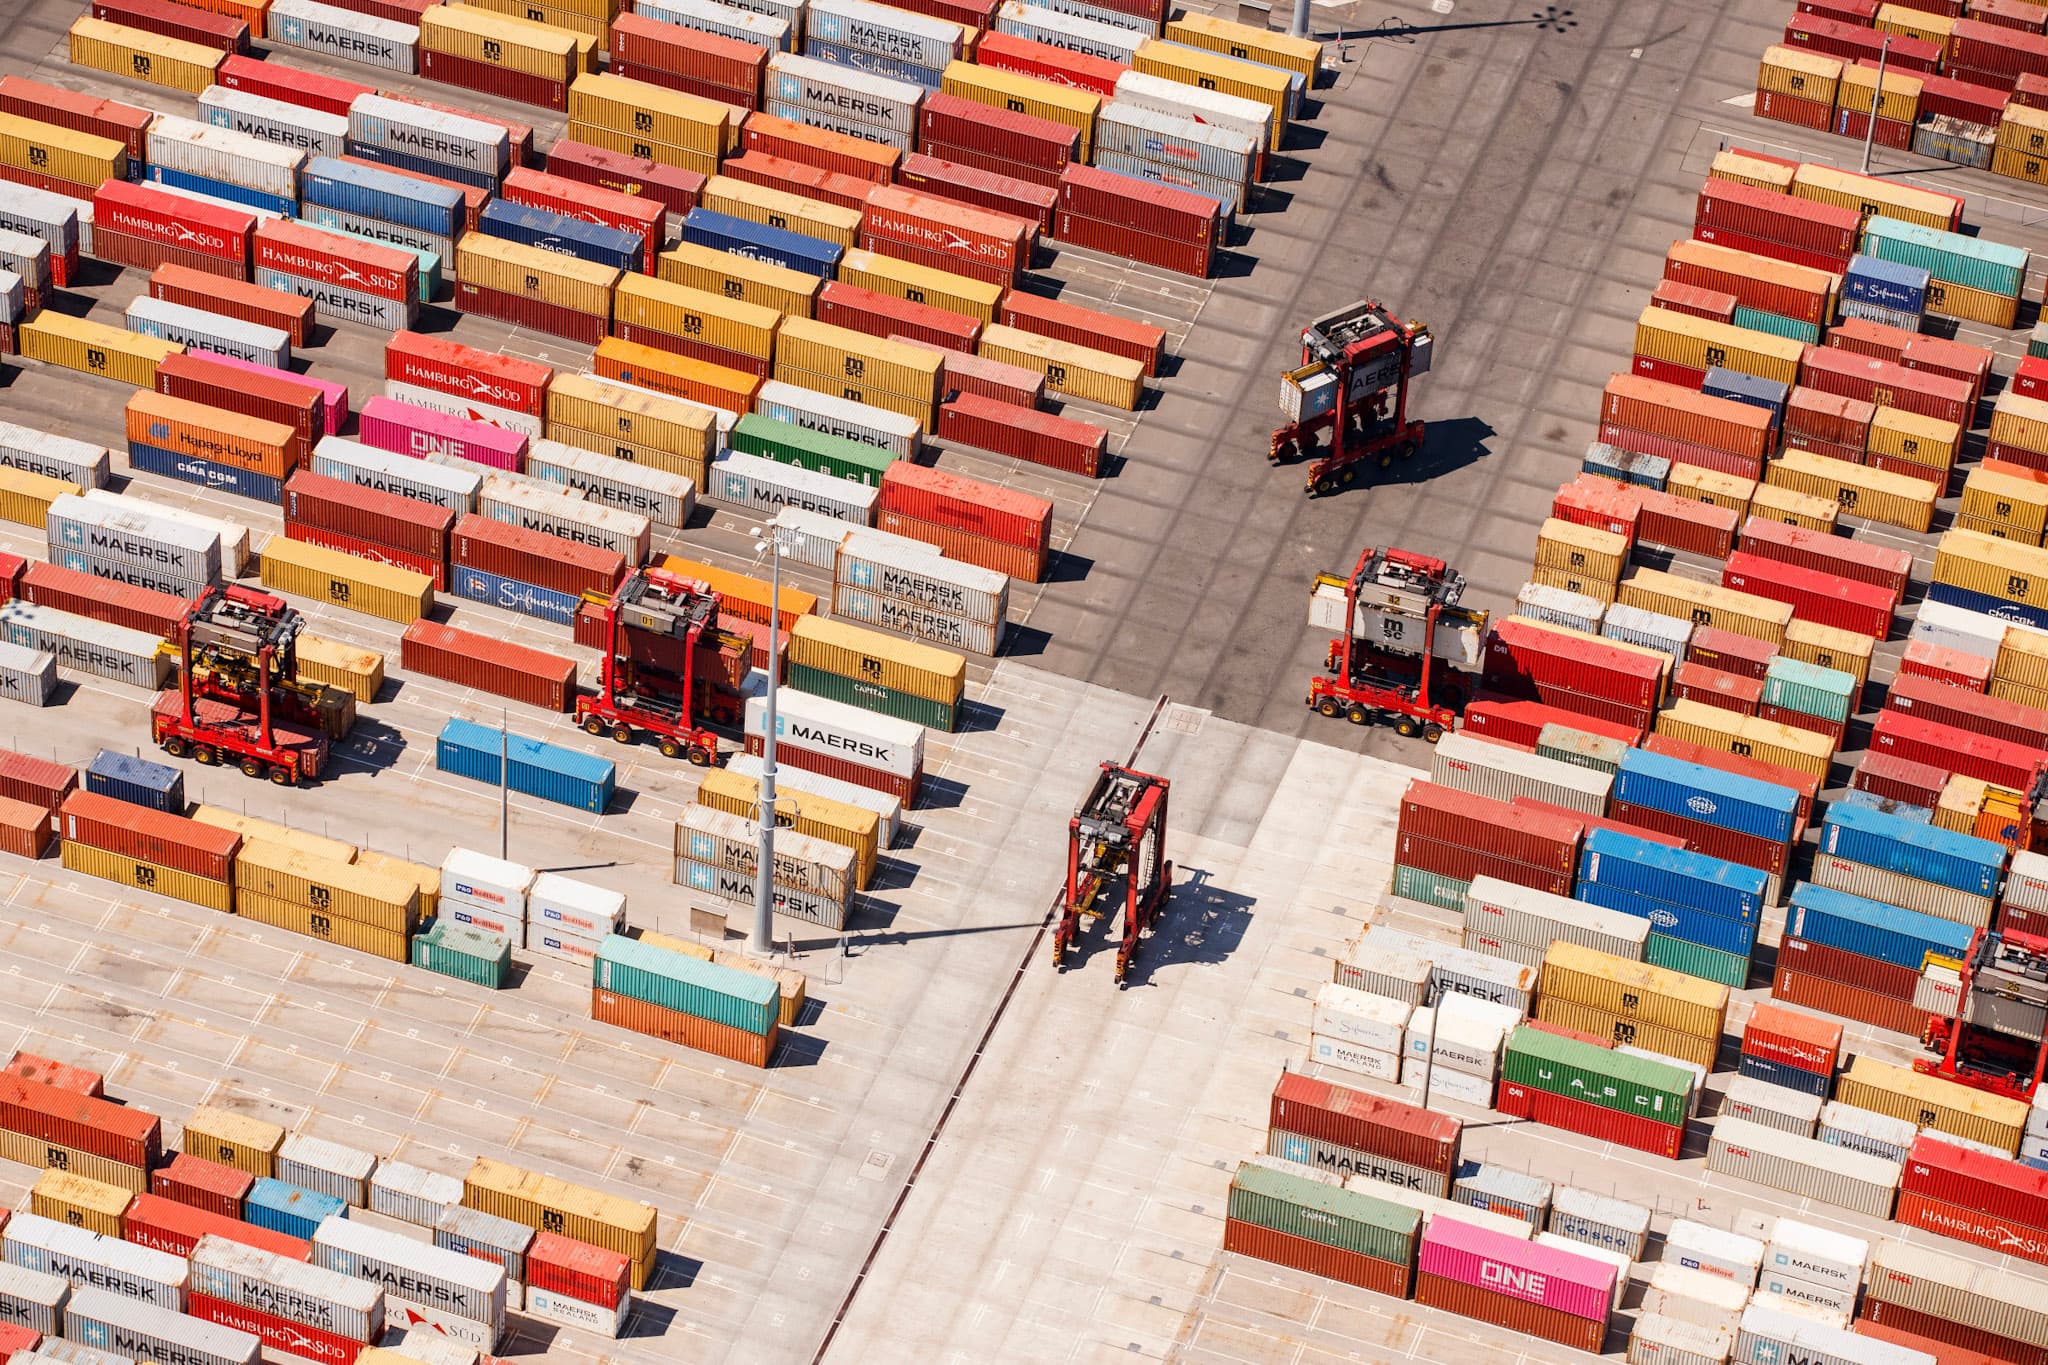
1830 599
1806 785
144 227
1851 41
1128 337
1880 566
204 1185
1520 722
37 781
367 267
1865 337
1768 223
1776 1034
1885 384
473 197
883 315
1960 1344
169 1225
1580 1116
1042 61
1925 659
367 513
820 147
498 667
465 372
274 81
182 22
1925 741
29 1067
1140 205
585 1273
1528 837
1694 301
1900 779
675 188
712 65
979 188
1977 1181
273 397
1005 134
149 836
798 178
234 298
1719 424
133 1137
1365 1122
1714 687
1520 655
1966 710
1317 1258
1594 822
533 557
1023 433
591 203
974 242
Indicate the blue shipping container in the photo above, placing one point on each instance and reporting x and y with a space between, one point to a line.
1612 462
1928 852
526 598
1919 815
1868 928
563 776
221 189
1886 284
1687 923
369 192
758 241
2018 612
1725 800
1791 1077
559 233
243 483
1715 885
472 175
853 58
291 1209
1758 392
137 781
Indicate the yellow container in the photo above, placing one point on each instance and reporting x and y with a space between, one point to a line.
1040 99
704 163
427 879
1871 197
792 212
1873 494
1794 508
1800 73
680 376
1731 491
1912 23
2009 690
695 315
1583 584
324 575
587 33
820 817
1634 990
789 983
1702 343
327 886
857 358
246 1144
324 925
253 829
679 945
25 497
1213 71
743 279
80 158
1933 1102
1695 722
851 651
41 1155
2031 167
528 272
479 36
80 1202
921 284
1996 568
1749 170
173 882
643 420
1114 381
582 1215
333 664
2022 657
2023 128
1924 440
920 410
1959 803
600 12
2004 530
122 51
2017 420
1248 44
1583 550
2020 503
1622 1029
690 467
1845 651
93 347
1706 604
650 111
1972 305
1788 746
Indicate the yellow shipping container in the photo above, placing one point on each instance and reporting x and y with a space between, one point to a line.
679 945
1912 23
651 112
1860 491
1026 95
164 881
427 879
328 885
1702 343
122 51
2020 503
1924 440
2019 692
324 925
690 467
1745 169
44 148
1634 990
696 315
1972 305
1619 1028
25 497
1797 72
1788 746
857 358
1794 508
528 272
1891 199
1249 44
922 411
743 279
493 40
1996 568
789 983
1731 491
1577 549
682 376
1583 584
2031 167
704 163
330 576
1933 1102
2017 420
41 1155
251 828
80 1202
1959 803
2024 128
349 667
2004 530
820 817
1114 381
583 1215
2022 656
93 347
237 1140
921 284
1695 722
587 33
644 420
792 212
852 651
1706 604
1213 71
1845 651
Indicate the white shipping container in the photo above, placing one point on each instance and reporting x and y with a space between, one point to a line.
1354 1016
810 537
412 1194
1622 1264
1230 194
195 327
1694 1296
2033 1147
1802 1166
1557 606
478 878
343 34
129 531
1713 1251
1138 23
389 125
1293 1168
728 884
58 457
747 23
1658 1340
1968 1292
1369 1169
1650 629
1500 1190
1446 1084
525 423
343 305
764 487
327 1167
1893 888
410 1315
1775 1286
2037 1113
1774 1106
718 838
564 1311
26 258
1433 1207
920 621
147 1332
195 148
79 642
1111 42
312 131
844 93
293 1290
234 538
397 234
454 1283
567 515
431 1348
1248 118
2026 877
1600 1220
1373 967
823 726
1213 152
916 39
663 498
367 467
550 940
1527 954
1866 1130
1467 763
576 906
950 587
140 575
13 297
1952 627
84 226
901 436
1460 1044
56 1349
472 1232
887 808
88 1258
32 1298
1769 1336
1939 991
28 676
1526 914
1371 1062
53 218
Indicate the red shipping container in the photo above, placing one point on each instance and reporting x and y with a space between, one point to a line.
1518 653
80 112
1893 133
12 567
1023 433
182 22
1865 337
675 188
37 781
1800 113
1977 1181
1950 359
498 667
374 551
1714 687
798 178
954 154
1008 134
1848 11
1590 1039
1748 291
2030 379
1887 979
586 1273
1776 1034
1768 216
1830 599
1140 205
1008 515
1693 300
1317 1258
1998 54
279 1335
1805 784
1009 195
1850 41
397 11
1947 704
133 1137
884 315
592 204
526 310
1042 61
367 267
975 15
1186 258
821 147
1885 384
1463 863
1591 1120
697 350
368 513
146 222
1520 722
1593 822
70 189
24 829
2007 1236
742 102
1829 417
273 397
1719 424
1716 841
1925 659
1533 838
981 244
473 197
1016 561
149 836
1924 741
14 1337
153 1220
712 60
1600 503
466 372
201 1184
2006 14
486 78
291 85
533 557
234 298
1879 566
1947 97
1128 337
1677 523
29 1067
1956 1335
1851 1002
1900 779
1374 1124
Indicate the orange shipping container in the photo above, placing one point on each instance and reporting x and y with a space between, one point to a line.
1671 410
820 147
700 381
744 596
206 433
1782 287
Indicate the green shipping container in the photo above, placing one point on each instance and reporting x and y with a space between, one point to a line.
2037 340
1993 267
1808 688
1601 753
787 443
1778 325
686 984
1430 889
1708 964
430 262
464 952
872 696
1581 1071
1347 1219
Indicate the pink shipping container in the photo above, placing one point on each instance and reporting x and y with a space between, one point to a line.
980 188
1925 659
882 315
1691 299
465 372
1004 133
1865 337
1545 1275
366 267
421 433
335 410
675 188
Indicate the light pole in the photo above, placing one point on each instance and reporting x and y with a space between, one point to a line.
760 939
1876 99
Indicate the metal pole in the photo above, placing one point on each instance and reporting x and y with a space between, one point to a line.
504 786
1870 133
1429 1052
760 942
1297 27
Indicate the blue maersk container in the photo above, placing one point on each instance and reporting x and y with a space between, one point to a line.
1919 815
1868 928
291 1209
1887 284
137 781
221 189
1715 885
1932 854
558 232
563 776
1791 1077
373 193
1725 800
1675 919
1755 390
758 241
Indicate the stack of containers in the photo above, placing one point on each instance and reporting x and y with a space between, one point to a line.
1670 1013
566 514
1863 958
715 853
872 106
1010 124
527 571
1988 1201
547 1204
1359 1031
1790 1048
836 360
373 202
634 426
1813 1266
903 589
484 893
212 447
1899 860
1583 1087
166 853
1308 1221
224 164
199 330
576 1285
1182 152
87 643
568 919
1703 912
459 1297
347 278
369 523
1453 1048
1520 923
487 1237
542 289
1804 1166
43 1125
128 544
1447 838
1579 559
1558 1295
462 381
290 1306
1722 814
836 740
858 667
996 528
1971 279
1342 1131
883 40
361 908
668 995
1675 422
1935 1102
1527 660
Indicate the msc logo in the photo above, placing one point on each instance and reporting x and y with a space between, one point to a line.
1717 355
914 295
856 368
57 1158
733 289
1740 747
1015 106
494 51
224 1153
551 1221
778 221
1205 83
320 926
1927 1118
139 62
95 358
2005 509
1056 375
1846 497
643 121
145 876
693 325
2016 586
74 1217
530 283
539 16
321 897
1578 559
1630 1000
39 157
1702 616
337 591
1624 1032
871 668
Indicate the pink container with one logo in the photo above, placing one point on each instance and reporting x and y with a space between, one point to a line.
419 432
336 408
1578 1285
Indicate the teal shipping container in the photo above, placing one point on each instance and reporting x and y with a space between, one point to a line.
1777 324
465 952
687 985
1808 688
1993 267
